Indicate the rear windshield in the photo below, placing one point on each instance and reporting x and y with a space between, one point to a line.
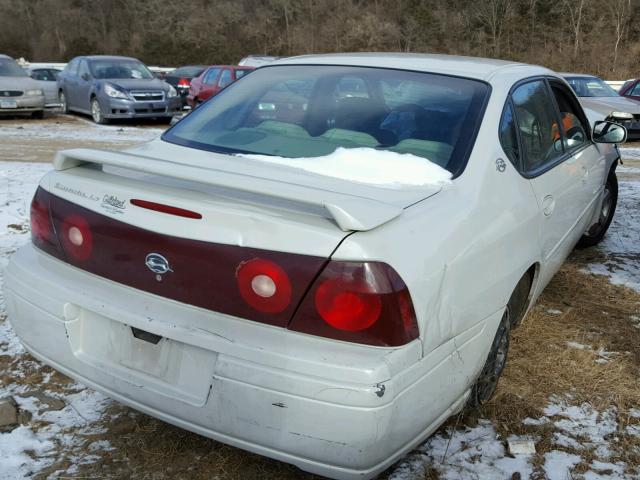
310 111
187 72
119 69
9 68
591 87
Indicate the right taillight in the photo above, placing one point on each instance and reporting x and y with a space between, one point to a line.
362 302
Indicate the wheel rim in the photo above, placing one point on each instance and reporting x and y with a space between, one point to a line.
95 111
606 205
63 102
488 380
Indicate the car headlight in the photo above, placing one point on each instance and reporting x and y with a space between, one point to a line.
622 115
113 92
36 92
172 92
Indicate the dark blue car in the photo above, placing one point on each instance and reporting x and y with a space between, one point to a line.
108 87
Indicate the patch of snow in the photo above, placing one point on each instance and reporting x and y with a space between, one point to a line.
621 244
578 346
553 311
468 453
15 446
558 465
368 165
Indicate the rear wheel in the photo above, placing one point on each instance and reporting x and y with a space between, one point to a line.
62 99
487 381
596 233
96 112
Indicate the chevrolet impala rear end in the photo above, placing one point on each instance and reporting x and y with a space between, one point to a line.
298 268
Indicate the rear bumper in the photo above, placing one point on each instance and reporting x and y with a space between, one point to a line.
333 414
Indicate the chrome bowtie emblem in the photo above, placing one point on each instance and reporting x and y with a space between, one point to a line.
157 264
501 166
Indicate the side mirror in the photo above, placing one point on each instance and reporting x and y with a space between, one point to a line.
609 132
85 77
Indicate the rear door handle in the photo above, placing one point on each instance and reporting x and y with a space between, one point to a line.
548 205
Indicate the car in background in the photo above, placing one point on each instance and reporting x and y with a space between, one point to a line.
110 87
181 77
18 92
47 78
601 102
212 81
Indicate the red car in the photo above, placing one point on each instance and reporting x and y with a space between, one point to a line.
212 80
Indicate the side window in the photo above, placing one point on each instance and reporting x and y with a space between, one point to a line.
509 136
573 128
225 78
537 125
635 91
72 67
241 73
83 69
351 87
211 76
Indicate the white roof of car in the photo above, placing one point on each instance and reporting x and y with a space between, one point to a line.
472 67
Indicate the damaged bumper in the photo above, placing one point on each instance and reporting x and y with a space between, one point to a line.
335 409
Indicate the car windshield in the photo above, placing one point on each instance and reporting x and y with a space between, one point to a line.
119 69
9 68
591 87
310 111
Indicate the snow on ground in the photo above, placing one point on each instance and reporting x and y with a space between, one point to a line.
621 245
79 129
368 165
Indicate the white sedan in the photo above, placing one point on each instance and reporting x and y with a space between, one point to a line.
322 263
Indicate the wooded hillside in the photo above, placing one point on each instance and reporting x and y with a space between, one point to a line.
600 37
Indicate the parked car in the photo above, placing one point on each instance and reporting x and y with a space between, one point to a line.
212 81
180 79
597 96
19 93
47 79
108 87
313 286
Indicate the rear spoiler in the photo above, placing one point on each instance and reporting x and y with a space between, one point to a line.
350 212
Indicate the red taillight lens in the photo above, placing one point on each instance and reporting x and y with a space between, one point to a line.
76 237
264 285
40 224
347 304
363 302
183 82
168 209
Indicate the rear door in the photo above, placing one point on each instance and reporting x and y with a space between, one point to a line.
209 83
83 88
556 173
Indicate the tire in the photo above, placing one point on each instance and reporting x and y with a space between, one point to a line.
519 300
596 233
485 386
96 112
39 115
62 98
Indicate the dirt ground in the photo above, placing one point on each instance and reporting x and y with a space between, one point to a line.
579 344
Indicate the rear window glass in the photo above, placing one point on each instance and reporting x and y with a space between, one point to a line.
310 111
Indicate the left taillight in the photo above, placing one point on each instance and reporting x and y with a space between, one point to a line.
76 237
184 82
42 231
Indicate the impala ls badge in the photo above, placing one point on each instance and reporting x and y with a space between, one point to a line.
158 265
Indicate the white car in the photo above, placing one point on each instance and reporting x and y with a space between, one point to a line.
326 281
